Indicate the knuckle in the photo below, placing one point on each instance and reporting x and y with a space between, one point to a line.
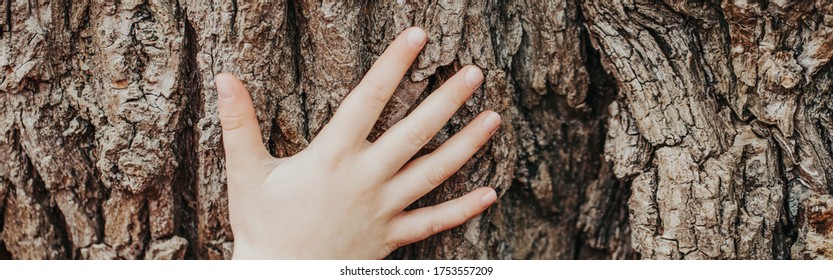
458 98
388 205
437 175
233 122
467 213
330 159
401 61
476 142
374 94
435 227
418 135
391 246
394 242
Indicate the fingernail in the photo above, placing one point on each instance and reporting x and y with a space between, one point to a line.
224 89
488 198
416 37
491 122
473 77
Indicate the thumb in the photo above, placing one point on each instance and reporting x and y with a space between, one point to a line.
241 131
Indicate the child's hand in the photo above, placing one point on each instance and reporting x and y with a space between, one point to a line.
343 197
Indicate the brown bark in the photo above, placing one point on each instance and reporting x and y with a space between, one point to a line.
674 129
719 127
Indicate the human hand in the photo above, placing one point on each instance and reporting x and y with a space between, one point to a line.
343 196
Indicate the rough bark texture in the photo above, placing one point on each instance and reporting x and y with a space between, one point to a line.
721 125
652 129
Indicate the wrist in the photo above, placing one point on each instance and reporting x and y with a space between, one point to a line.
243 251
247 251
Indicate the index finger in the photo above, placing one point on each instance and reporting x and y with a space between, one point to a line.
358 112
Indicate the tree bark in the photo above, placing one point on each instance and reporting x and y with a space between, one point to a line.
721 125
632 129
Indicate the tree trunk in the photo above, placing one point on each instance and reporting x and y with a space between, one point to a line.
674 129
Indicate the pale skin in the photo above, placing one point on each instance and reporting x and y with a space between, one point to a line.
344 197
